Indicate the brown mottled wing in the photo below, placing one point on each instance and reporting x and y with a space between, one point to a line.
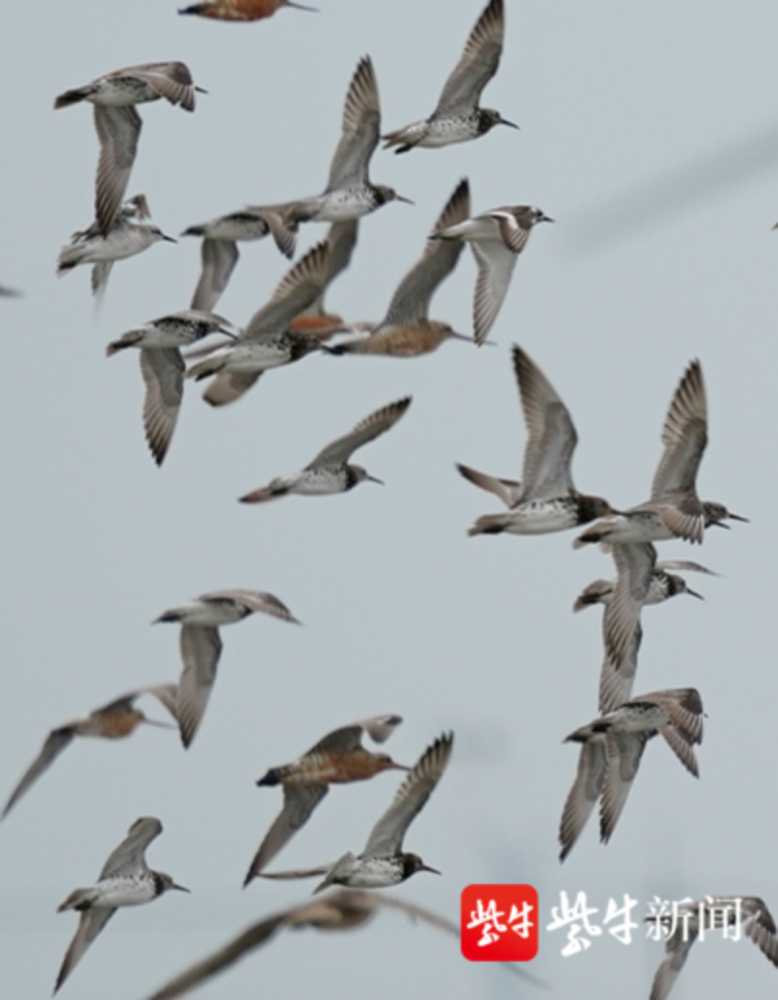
256 600
617 676
379 728
684 709
219 258
55 743
623 753
676 951
90 924
299 803
552 436
682 749
760 927
339 451
361 126
411 301
163 374
586 789
200 651
635 566
256 935
294 293
387 835
229 386
171 80
118 130
478 63
129 856
685 435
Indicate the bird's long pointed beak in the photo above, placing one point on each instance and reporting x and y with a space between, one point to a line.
547 218
737 517
693 593
160 725
169 239
180 888
399 767
374 480
299 6
504 121
426 868
399 197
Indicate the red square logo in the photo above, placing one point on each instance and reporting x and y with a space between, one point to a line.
499 923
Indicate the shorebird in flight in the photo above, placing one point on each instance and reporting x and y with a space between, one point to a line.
674 510
126 238
611 748
126 880
114 721
711 913
546 500
383 861
338 758
406 331
162 367
201 645
118 124
267 342
458 117
339 910
497 237
330 471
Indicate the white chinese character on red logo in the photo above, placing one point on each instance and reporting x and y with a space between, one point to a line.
487 917
519 919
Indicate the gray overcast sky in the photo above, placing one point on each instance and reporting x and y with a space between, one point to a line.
625 112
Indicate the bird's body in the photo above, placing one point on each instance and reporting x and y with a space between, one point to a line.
546 500
126 880
330 471
338 758
118 124
457 117
662 585
240 10
497 237
201 644
126 238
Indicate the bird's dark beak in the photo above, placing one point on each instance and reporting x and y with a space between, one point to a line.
399 767
426 868
504 121
693 593
180 888
299 6
160 725
737 517
546 218
169 239
399 197
374 480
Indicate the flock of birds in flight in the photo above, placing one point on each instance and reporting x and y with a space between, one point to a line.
294 324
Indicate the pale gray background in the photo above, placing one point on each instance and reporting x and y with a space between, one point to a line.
649 133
